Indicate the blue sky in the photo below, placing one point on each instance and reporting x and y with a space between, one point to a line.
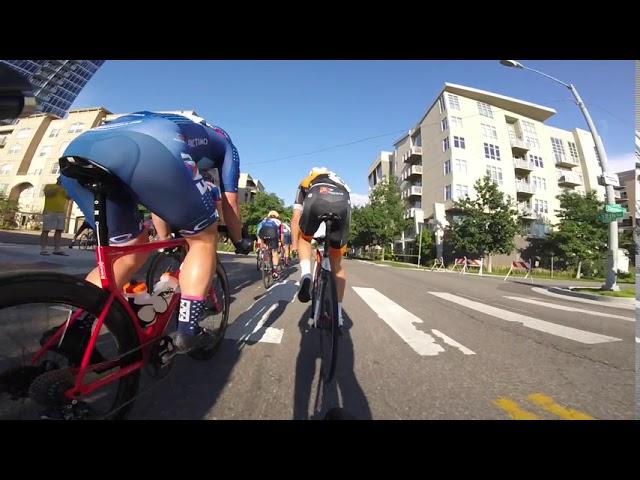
276 109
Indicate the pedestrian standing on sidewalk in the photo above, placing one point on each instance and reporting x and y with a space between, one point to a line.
55 201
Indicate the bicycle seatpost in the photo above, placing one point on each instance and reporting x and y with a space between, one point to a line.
100 214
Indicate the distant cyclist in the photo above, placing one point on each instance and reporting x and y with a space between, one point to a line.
269 232
286 242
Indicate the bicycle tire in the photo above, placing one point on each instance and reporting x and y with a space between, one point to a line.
25 288
267 271
328 325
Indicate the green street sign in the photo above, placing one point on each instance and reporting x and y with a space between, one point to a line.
614 209
609 217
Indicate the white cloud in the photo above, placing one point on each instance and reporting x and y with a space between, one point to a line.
358 199
621 163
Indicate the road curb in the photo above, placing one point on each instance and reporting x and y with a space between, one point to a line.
600 298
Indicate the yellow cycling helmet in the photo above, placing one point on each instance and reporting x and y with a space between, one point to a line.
273 214
319 171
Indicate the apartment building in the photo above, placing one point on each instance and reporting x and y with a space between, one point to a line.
380 169
469 133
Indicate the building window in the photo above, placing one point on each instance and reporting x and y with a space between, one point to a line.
416 139
37 171
456 122
532 142
485 110
5 169
442 103
55 168
447 193
536 160
454 103
44 151
54 133
529 127
462 191
489 131
492 152
23 133
461 166
558 149
76 127
539 184
573 151
540 206
444 124
15 148
458 142
445 144
495 173
447 167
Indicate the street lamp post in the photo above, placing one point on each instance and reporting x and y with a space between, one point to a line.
612 266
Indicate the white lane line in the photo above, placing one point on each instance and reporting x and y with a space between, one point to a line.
401 321
250 332
569 309
568 298
453 343
530 322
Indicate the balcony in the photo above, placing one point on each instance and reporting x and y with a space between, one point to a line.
524 188
617 194
416 213
518 146
526 212
412 171
413 155
569 179
522 166
563 160
411 192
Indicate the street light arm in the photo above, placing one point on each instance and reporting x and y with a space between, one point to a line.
548 76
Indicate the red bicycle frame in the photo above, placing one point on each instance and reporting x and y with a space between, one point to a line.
105 258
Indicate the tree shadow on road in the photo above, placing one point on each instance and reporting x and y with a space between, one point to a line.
343 391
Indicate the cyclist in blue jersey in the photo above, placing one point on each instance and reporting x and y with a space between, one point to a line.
269 231
160 159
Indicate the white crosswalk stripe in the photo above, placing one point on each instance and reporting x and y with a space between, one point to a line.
569 309
403 323
570 333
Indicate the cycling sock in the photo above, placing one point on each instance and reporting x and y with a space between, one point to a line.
191 309
305 268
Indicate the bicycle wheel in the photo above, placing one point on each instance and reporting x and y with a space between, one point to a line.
326 320
31 305
267 270
217 302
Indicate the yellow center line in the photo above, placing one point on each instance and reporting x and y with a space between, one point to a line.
514 410
547 404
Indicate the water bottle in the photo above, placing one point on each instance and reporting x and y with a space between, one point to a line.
163 291
148 305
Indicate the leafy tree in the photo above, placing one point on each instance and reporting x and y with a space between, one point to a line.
579 237
256 210
488 223
8 209
382 219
